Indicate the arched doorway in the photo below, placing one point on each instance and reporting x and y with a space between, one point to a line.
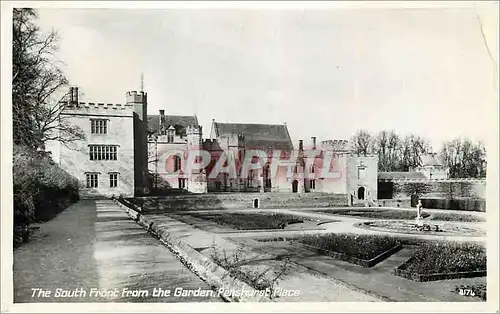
295 186
361 193
256 203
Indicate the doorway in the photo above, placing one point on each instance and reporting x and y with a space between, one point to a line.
361 193
295 186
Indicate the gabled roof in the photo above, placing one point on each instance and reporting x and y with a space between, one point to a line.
178 122
257 136
401 175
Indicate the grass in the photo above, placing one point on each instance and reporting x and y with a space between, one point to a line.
448 257
250 221
401 214
363 247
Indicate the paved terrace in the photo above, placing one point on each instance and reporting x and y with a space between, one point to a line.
94 244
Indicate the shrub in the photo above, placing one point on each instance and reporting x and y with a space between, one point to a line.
363 247
41 189
246 268
448 257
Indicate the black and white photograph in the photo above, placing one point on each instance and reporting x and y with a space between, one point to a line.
250 156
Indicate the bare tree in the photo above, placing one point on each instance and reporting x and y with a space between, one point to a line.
464 159
36 82
387 146
362 143
412 149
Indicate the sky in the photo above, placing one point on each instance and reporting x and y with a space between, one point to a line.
326 73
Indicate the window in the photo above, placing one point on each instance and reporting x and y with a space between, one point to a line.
103 152
92 180
170 136
177 163
99 126
113 180
182 183
361 173
312 184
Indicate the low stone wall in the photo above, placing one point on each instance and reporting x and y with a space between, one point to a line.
216 276
241 200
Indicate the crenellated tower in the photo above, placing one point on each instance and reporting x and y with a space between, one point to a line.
197 181
139 101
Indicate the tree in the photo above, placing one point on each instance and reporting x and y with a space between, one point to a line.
386 145
464 158
412 148
362 142
414 189
37 82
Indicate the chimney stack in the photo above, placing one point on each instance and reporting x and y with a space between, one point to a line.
301 145
162 116
313 138
71 94
75 97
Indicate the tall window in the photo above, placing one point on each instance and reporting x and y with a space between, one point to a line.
92 180
103 152
313 184
99 126
182 183
170 136
113 180
177 163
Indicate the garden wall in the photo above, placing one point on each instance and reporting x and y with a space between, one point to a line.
446 189
242 200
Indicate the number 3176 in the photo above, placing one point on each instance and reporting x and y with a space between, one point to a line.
467 292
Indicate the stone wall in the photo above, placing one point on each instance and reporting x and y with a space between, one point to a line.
446 189
241 200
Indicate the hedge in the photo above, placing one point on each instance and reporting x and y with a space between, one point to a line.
41 189
468 204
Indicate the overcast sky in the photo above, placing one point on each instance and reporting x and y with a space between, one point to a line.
327 73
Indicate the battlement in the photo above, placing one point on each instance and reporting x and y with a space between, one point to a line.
136 97
194 129
83 105
336 145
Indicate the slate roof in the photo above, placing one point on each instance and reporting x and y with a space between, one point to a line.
400 175
258 136
178 122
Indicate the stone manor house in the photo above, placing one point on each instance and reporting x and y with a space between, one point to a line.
128 152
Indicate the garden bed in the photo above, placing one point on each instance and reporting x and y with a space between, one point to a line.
377 213
440 261
251 221
363 250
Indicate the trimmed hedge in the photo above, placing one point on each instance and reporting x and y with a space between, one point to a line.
448 257
251 221
41 189
365 247
469 204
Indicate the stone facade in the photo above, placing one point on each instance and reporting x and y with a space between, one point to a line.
119 133
128 152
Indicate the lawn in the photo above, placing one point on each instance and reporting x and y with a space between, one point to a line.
447 257
376 213
251 221
363 247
